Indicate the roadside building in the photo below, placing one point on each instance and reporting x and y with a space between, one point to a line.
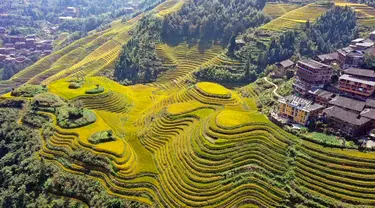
282 67
298 110
349 57
347 122
311 75
322 97
356 86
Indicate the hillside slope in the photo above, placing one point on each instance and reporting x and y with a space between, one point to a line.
85 57
201 145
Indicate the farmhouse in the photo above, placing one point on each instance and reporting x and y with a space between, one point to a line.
282 67
311 75
348 104
348 57
327 58
348 122
298 109
322 97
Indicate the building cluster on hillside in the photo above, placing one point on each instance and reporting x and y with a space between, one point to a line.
18 49
347 105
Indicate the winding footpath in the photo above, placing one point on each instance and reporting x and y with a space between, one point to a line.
276 87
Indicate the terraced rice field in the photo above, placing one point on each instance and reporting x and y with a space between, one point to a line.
365 14
204 146
85 57
276 10
294 18
185 60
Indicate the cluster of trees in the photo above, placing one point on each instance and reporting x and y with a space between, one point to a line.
214 19
333 30
27 180
197 21
226 74
138 62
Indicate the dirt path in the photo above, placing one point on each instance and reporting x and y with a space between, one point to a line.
276 87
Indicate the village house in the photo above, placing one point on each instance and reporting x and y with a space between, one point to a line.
328 59
71 12
298 110
356 86
364 74
311 75
349 57
322 97
348 104
282 67
347 122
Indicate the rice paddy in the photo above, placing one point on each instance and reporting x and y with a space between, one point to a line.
276 10
179 143
296 17
203 146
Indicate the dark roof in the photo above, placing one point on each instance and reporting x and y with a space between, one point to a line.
287 63
323 93
368 113
360 72
312 63
345 51
370 103
328 56
346 116
348 103
370 51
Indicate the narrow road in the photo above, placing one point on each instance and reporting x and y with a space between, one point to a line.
276 87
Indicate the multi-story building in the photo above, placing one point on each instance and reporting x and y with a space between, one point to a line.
311 75
349 123
297 109
349 57
356 86
322 97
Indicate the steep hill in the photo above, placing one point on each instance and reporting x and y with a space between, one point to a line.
200 145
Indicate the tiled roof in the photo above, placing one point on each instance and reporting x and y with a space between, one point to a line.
360 72
348 103
323 93
313 64
346 116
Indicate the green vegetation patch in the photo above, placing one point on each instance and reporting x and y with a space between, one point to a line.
73 117
76 84
97 90
28 90
47 102
101 137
